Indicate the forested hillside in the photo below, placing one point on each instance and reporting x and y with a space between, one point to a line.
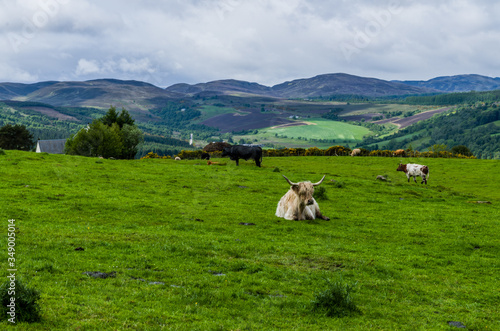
455 98
45 121
474 126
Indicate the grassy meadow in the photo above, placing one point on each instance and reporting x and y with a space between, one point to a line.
169 232
293 136
323 129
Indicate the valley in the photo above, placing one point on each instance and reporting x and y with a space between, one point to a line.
244 112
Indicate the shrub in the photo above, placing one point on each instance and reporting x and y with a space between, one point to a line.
153 155
2 152
337 151
336 300
26 309
314 151
190 155
461 150
217 146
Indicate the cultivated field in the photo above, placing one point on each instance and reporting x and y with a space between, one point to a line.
292 134
322 129
171 235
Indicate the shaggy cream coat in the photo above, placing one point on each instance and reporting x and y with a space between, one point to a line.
298 203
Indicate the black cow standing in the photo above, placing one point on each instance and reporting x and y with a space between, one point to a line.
244 152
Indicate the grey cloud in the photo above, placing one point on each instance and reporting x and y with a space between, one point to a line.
267 41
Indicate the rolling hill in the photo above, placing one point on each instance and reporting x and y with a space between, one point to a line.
223 108
230 86
141 96
458 83
343 84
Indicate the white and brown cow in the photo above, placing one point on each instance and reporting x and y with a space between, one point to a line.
298 203
356 152
415 170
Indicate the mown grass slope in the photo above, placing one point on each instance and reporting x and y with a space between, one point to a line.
170 231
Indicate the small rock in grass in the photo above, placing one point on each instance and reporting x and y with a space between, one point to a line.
457 324
242 223
98 274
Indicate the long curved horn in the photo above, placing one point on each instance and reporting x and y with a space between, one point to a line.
289 181
321 181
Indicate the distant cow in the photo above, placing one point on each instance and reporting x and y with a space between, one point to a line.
414 170
177 158
205 156
298 203
355 152
243 152
399 152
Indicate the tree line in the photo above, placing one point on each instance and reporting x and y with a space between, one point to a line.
471 126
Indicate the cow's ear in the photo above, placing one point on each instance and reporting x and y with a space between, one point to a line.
295 187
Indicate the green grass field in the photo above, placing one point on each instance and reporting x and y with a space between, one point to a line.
288 136
323 129
420 256
211 111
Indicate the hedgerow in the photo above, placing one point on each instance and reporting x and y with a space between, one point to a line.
331 151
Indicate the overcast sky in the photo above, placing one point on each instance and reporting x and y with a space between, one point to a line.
164 42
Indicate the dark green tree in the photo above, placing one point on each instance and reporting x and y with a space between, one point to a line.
16 137
125 118
110 117
131 137
461 149
97 139
121 119
113 135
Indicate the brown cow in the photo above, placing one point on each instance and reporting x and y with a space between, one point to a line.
298 203
399 152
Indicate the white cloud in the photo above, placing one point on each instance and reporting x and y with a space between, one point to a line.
13 74
86 67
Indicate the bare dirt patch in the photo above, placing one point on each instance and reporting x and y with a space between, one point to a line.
292 124
359 118
253 120
53 113
407 121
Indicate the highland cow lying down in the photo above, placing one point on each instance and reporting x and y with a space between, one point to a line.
298 203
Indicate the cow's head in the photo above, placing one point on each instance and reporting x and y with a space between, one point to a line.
401 167
226 151
304 190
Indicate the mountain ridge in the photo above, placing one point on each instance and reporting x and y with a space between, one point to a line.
458 83
139 96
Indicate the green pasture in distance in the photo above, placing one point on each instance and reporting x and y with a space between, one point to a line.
208 111
294 136
322 129
171 236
